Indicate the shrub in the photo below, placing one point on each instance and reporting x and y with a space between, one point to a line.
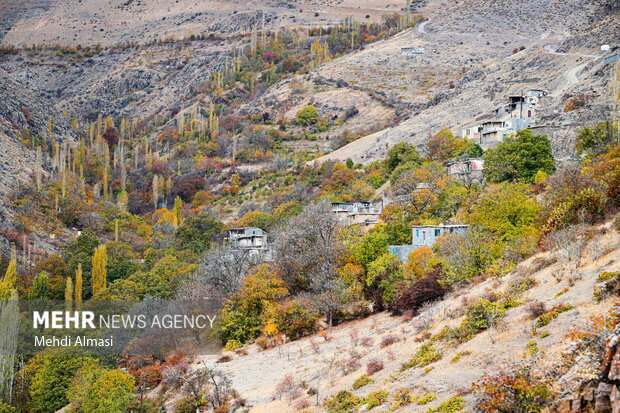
536 308
388 340
367 341
374 366
343 402
376 398
362 381
425 399
402 397
412 295
424 356
513 390
521 284
551 315
479 316
458 356
308 116
609 284
453 405
351 366
232 345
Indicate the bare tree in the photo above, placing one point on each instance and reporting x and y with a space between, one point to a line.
220 274
306 253
207 385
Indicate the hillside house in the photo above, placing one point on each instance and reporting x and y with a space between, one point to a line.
516 114
357 213
465 170
413 52
426 236
252 239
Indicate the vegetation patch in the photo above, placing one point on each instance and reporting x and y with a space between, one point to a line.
362 381
551 315
424 356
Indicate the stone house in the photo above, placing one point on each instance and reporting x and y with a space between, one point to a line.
252 239
357 213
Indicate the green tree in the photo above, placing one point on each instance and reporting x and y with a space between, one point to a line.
382 276
96 389
197 232
403 153
506 211
372 245
308 116
519 158
597 139
120 262
50 375
40 287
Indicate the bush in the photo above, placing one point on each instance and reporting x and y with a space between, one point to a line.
374 366
536 308
402 397
376 398
551 315
424 356
479 316
388 340
412 295
362 381
308 116
425 399
453 405
343 402
512 390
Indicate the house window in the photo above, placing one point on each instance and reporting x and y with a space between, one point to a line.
417 233
529 113
437 232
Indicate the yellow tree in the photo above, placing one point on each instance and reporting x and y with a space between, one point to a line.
78 288
69 294
10 276
99 274
177 212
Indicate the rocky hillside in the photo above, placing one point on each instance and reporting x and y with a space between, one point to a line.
89 22
413 355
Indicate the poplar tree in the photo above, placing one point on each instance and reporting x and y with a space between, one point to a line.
78 288
10 276
69 294
99 274
178 212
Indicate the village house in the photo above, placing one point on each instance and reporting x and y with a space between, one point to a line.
465 170
357 213
416 53
252 239
518 113
426 236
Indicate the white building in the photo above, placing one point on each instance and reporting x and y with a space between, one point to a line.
427 235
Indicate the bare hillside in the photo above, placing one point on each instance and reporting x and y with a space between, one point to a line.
325 364
89 22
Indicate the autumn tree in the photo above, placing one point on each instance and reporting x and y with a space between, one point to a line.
99 272
40 287
444 145
78 288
